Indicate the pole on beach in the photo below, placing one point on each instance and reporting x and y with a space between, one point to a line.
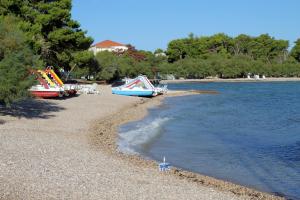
164 166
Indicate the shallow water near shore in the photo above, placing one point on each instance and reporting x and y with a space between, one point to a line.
248 134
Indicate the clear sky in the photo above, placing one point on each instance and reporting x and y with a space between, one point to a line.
151 24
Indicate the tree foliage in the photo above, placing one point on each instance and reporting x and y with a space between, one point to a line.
295 53
16 61
50 31
262 47
114 66
35 31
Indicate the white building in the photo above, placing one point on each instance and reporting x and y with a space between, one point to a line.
160 54
108 45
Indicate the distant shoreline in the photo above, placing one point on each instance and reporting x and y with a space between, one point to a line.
272 79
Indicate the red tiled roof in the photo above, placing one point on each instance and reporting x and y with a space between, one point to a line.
107 44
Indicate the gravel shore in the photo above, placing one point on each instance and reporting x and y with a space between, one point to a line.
65 149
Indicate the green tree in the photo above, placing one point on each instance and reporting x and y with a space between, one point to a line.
220 43
127 66
109 64
158 51
295 52
267 48
50 31
241 45
176 50
16 61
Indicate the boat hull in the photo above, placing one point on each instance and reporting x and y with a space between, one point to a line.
45 94
133 93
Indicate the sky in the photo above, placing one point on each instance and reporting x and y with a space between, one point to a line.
152 24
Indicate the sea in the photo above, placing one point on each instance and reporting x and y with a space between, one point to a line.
248 133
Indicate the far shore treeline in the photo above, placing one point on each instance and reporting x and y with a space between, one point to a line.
219 56
36 34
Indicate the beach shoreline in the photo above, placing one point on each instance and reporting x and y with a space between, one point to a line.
104 135
67 149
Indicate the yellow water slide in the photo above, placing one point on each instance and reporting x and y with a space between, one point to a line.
55 77
49 81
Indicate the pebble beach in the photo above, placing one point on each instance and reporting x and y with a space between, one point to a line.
66 149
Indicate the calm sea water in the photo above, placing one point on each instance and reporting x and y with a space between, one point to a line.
248 134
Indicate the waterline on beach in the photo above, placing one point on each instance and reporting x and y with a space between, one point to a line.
105 137
134 138
228 148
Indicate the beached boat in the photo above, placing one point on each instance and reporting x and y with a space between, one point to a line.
133 92
140 86
46 88
42 92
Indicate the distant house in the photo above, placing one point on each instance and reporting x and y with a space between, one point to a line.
108 45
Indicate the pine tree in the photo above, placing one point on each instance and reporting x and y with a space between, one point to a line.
50 31
16 60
